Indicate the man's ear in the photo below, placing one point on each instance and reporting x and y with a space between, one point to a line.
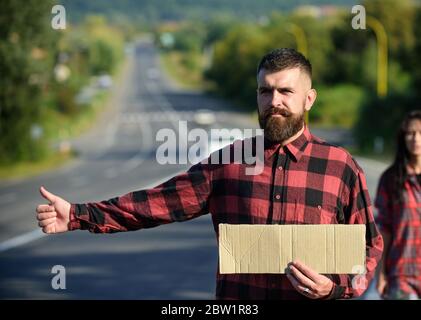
310 98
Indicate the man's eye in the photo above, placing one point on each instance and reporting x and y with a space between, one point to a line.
285 91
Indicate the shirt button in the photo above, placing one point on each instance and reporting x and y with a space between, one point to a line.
280 168
319 207
278 197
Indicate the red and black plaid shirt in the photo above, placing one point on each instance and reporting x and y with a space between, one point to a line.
305 182
402 220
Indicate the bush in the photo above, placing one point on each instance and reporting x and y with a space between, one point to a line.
337 105
66 100
380 119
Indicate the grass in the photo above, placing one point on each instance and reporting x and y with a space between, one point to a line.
186 69
337 105
29 169
59 127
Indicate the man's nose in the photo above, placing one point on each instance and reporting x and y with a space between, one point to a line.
276 100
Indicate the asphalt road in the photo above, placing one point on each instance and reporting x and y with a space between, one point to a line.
118 155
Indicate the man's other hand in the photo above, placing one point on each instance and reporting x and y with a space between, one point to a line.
308 282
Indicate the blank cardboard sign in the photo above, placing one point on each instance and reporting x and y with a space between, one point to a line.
329 249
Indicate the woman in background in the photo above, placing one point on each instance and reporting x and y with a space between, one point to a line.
398 202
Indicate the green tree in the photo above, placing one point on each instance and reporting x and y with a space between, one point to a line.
26 58
416 58
386 114
398 19
105 45
235 61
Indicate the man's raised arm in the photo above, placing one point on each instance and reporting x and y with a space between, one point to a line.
181 198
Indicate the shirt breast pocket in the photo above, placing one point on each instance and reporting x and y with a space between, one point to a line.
322 214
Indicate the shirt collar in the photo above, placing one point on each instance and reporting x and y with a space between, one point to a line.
295 148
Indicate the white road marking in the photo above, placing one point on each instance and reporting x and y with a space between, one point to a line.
21 240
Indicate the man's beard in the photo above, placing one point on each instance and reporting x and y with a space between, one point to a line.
279 129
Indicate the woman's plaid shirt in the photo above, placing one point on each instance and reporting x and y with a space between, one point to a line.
307 181
402 220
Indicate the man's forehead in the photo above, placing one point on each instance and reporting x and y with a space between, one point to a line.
286 77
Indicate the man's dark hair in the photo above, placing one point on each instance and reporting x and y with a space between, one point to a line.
284 58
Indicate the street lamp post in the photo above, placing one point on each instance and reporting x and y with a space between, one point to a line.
300 37
301 40
381 36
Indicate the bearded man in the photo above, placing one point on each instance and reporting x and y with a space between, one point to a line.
305 180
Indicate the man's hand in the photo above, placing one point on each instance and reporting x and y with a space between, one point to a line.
53 217
308 282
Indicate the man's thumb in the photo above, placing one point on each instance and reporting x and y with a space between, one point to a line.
47 195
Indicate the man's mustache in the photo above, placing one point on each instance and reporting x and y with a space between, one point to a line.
276 111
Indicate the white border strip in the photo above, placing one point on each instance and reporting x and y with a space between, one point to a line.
21 240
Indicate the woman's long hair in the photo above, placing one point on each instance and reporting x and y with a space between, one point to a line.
402 156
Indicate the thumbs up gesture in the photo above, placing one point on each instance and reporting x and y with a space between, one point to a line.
53 217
